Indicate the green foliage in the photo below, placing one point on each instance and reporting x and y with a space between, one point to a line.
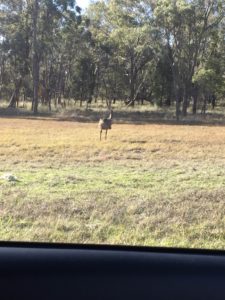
204 77
152 50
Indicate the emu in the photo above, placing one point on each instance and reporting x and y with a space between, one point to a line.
105 124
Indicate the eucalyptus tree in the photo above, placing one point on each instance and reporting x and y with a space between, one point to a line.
104 52
125 50
135 39
209 77
162 50
186 28
83 69
56 19
35 57
34 43
14 45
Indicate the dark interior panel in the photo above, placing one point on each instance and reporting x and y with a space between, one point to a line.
34 271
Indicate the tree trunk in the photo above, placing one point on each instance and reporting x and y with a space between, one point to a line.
195 101
185 102
162 93
13 102
177 107
168 100
213 101
204 106
176 88
132 92
132 82
35 59
177 99
49 104
60 84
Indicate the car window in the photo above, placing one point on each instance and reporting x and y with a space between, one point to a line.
112 122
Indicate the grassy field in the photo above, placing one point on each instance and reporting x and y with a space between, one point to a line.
148 184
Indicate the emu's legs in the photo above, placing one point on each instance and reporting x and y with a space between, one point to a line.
105 134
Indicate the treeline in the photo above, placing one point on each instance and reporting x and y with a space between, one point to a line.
165 52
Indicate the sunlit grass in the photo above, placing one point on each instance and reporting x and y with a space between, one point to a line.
147 184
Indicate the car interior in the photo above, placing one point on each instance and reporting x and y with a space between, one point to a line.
65 271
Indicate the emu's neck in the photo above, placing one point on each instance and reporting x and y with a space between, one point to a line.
111 115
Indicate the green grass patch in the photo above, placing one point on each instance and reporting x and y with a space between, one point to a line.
158 185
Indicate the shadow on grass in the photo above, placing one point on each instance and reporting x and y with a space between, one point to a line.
17 113
120 117
146 117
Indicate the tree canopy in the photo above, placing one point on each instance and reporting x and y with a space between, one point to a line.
165 52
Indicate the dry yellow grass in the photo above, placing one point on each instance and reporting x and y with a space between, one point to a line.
146 184
42 140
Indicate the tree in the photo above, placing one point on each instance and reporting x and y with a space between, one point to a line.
186 28
35 58
15 45
162 51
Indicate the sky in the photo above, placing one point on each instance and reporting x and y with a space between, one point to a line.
83 3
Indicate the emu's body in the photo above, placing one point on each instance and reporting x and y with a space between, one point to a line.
105 124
